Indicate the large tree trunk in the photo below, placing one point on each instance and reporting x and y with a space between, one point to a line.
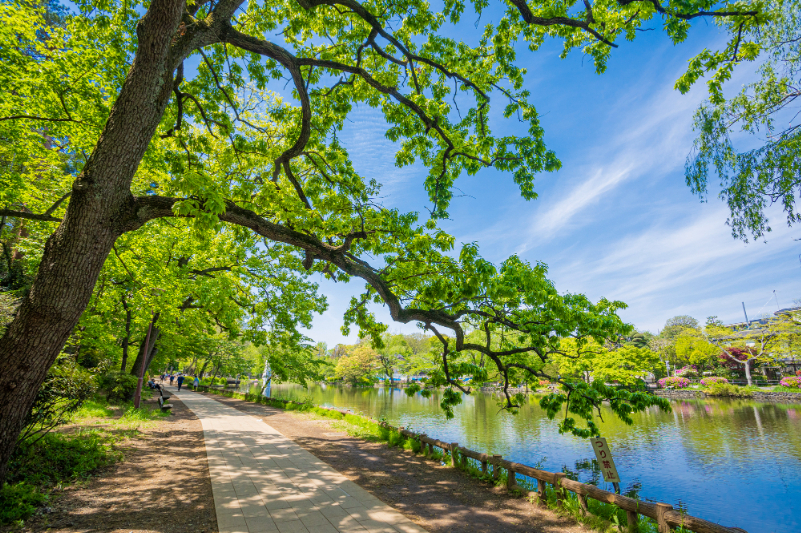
136 368
203 369
101 202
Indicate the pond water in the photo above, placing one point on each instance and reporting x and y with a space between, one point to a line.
735 462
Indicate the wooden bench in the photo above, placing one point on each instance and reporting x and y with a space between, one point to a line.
163 398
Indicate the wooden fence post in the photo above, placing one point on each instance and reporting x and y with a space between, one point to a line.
484 467
511 479
542 497
496 467
583 503
661 522
633 518
558 487
454 446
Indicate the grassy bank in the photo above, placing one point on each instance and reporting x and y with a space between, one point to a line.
604 517
45 464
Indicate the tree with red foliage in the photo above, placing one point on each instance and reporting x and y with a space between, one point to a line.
743 357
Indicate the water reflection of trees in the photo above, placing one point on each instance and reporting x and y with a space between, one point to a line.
703 431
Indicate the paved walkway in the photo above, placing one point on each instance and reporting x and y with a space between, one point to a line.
264 482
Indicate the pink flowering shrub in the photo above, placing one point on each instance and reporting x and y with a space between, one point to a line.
675 382
711 381
792 382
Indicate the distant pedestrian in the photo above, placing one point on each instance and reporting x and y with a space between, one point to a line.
172 377
196 383
180 381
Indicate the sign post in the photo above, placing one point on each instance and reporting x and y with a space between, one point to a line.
604 456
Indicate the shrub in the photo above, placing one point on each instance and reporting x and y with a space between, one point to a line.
687 372
52 459
56 458
791 382
66 387
210 381
706 382
118 385
727 389
674 381
19 502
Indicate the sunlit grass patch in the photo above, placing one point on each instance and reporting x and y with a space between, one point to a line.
97 408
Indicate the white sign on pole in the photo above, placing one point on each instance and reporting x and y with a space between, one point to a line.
604 456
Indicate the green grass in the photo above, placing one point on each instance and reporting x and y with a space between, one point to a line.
51 462
786 389
60 458
97 408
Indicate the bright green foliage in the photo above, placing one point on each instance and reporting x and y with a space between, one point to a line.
760 343
19 502
291 363
582 398
692 348
752 180
60 458
118 386
65 389
626 365
235 146
359 367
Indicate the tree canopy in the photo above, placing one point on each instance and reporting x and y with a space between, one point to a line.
763 112
125 118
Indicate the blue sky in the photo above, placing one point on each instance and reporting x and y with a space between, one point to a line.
617 221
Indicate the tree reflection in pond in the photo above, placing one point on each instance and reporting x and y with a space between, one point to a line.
707 456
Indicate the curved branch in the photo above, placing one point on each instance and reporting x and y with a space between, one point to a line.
30 216
292 64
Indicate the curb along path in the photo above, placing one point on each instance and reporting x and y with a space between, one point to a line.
264 482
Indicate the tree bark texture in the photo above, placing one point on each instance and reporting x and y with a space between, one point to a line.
203 369
101 200
127 340
136 368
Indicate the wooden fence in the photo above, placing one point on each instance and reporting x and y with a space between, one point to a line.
665 516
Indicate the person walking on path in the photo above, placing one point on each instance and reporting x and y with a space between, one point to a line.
180 380
196 383
172 377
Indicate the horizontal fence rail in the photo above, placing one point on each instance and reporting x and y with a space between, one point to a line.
663 514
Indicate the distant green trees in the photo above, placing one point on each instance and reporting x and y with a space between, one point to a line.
358 367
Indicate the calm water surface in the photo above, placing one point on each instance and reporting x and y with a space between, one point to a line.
735 462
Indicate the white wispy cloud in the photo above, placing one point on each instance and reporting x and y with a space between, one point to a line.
694 267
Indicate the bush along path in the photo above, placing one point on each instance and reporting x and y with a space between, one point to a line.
586 504
113 467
